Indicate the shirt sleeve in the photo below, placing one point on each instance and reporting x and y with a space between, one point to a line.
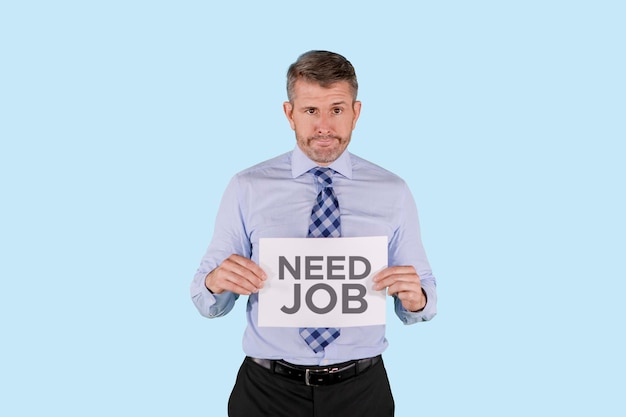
406 248
229 237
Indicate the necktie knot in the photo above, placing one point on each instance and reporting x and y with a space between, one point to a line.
324 176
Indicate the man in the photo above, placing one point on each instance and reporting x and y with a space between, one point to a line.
287 371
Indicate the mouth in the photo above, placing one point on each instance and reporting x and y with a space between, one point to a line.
325 140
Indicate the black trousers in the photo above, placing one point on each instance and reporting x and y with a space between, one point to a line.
260 393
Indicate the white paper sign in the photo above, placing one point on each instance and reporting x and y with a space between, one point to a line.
317 282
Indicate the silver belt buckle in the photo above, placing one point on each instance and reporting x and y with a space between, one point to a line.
308 372
307 378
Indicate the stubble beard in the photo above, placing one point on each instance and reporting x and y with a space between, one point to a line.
324 155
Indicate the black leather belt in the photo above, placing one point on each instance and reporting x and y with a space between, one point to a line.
317 375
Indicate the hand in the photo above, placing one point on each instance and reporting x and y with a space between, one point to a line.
403 282
236 274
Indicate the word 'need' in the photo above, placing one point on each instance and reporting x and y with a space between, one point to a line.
335 267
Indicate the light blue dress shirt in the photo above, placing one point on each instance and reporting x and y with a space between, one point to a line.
274 199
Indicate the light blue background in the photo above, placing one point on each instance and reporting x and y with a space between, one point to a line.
121 123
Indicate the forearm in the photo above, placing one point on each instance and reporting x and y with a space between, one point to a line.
228 238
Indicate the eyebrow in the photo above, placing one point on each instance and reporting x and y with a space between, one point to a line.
337 103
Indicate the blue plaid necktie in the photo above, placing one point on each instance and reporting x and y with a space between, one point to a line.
325 222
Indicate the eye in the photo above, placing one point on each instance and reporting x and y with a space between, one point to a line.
337 110
310 111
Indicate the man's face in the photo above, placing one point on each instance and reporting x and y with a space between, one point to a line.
323 119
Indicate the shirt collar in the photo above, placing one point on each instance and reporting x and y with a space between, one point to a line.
300 163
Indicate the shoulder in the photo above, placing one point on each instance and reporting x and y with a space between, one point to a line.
363 169
273 167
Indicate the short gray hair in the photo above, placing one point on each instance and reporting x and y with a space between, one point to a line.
322 67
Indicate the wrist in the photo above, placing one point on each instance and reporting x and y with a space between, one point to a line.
424 305
206 282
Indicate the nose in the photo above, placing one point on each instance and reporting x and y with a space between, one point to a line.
324 124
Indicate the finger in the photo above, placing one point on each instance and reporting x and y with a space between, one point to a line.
243 284
239 285
249 265
221 279
388 281
399 288
393 270
238 271
236 274
225 279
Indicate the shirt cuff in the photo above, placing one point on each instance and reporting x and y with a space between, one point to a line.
429 311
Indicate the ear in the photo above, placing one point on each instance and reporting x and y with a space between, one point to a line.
356 108
288 109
